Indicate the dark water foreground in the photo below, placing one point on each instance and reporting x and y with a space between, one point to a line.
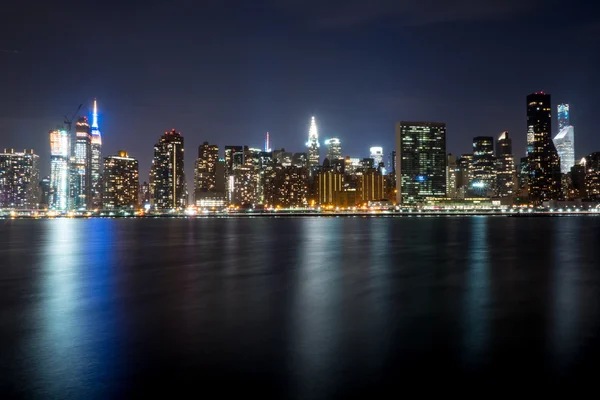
297 307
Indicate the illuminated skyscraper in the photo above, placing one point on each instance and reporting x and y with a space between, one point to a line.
313 144
484 167
81 167
334 149
167 177
564 141
209 178
267 143
377 155
544 163
96 169
451 175
420 161
60 149
505 166
121 182
19 179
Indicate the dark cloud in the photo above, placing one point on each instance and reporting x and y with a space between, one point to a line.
349 13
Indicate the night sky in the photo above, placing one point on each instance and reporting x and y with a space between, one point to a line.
228 71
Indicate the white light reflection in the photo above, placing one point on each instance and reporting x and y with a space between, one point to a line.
477 298
316 309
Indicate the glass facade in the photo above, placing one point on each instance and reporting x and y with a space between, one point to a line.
334 149
167 177
421 161
564 141
81 167
544 163
505 166
60 148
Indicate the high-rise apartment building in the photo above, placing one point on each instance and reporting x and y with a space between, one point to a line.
120 182
204 174
60 149
81 167
544 163
370 186
420 161
234 156
329 186
19 179
505 166
313 144
334 149
287 187
96 168
167 176
564 141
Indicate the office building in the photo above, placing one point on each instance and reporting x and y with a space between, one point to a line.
334 149
483 167
300 160
544 163
121 182
313 144
81 167
420 161
167 176
564 141
96 168
452 172
19 179
60 149
144 197
44 192
376 153
505 166
234 156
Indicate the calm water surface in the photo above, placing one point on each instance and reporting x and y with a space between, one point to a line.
296 307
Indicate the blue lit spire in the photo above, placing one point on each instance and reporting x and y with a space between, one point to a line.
95 116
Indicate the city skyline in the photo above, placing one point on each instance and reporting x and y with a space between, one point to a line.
253 81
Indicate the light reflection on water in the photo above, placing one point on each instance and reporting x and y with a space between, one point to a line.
310 307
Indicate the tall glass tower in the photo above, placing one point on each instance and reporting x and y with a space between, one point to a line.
334 149
96 169
420 161
81 166
564 141
544 163
313 144
60 148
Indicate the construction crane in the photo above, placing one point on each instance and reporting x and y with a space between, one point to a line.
69 121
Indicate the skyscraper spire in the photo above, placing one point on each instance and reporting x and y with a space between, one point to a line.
95 116
267 143
313 144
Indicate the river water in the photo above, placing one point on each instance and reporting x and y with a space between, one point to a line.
303 307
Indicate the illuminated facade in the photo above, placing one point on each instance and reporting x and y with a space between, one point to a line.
505 166
233 157
81 167
96 168
483 168
19 179
451 176
313 144
544 163
286 187
329 187
204 173
371 185
60 149
334 149
167 176
420 161
376 155
564 141
121 182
